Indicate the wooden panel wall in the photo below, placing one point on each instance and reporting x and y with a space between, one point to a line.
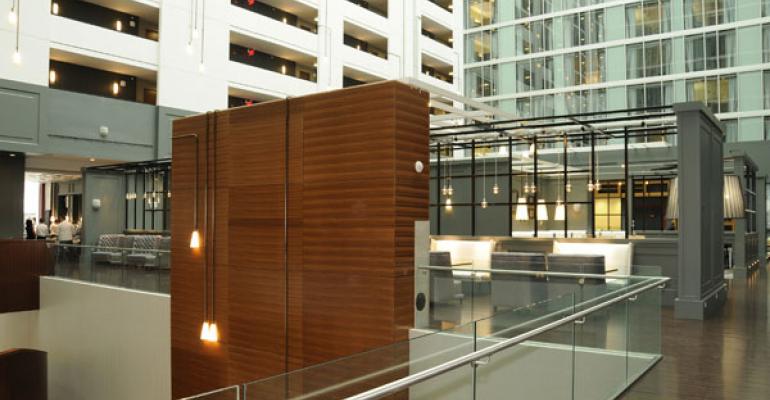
23 374
22 262
316 202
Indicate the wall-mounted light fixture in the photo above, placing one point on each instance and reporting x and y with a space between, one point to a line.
52 76
119 25
13 17
115 88
55 8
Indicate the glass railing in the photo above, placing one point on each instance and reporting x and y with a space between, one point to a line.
146 269
457 295
579 344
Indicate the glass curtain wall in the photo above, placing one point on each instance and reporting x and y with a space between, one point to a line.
648 59
699 13
648 18
719 93
710 50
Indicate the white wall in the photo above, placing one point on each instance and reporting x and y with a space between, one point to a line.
18 330
102 342
183 84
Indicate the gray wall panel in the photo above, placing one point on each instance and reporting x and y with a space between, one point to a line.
11 195
109 218
20 113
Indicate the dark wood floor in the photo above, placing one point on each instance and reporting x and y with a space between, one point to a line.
725 357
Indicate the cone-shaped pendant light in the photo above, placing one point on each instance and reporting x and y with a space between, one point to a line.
522 213
542 210
558 214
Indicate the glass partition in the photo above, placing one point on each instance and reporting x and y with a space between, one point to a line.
145 267
569 345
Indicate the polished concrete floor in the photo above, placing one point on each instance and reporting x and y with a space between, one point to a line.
725 357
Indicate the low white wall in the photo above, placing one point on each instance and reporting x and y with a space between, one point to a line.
102 342
18 330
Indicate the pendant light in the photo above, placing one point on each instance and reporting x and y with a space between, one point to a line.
597 181
13 18
590 185
495 187
522 214
558 214
449 189
542 211
444 188
484 203
567 185
209 330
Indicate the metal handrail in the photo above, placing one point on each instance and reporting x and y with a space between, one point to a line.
408 381
533 273
215 391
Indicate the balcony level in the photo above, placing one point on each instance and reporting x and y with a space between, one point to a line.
92 41
437 32
444 4
365 40
76 73
292 13
129 17
264 67
379 7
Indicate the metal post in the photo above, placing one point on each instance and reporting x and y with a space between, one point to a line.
438 188
564 187
536 192
510 187
473 187
625 179
592 177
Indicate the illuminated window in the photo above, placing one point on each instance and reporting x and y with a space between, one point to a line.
584 28
534 74
535 106
584 68
534 37
698 13
481 46
648 18
583 101
480 13
528 8
718 92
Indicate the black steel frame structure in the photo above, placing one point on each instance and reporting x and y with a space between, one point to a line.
589 130
140 179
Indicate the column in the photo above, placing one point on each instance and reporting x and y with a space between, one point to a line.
12 200
701 286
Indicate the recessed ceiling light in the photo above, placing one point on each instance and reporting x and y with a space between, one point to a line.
92 159
12 154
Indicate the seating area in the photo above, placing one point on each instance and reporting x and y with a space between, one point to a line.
478 282
134 250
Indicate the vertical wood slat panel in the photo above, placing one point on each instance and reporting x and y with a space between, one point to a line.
353 197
